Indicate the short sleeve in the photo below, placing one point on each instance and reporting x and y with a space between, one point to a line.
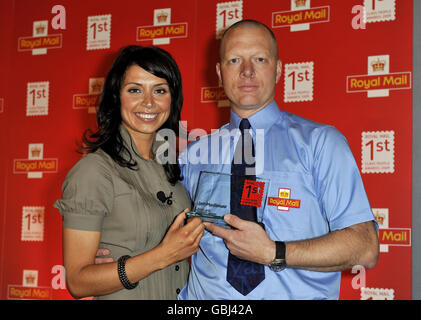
338 181
87 194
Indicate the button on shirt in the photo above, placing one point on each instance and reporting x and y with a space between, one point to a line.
311 167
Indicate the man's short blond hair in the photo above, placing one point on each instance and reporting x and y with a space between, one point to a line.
253 23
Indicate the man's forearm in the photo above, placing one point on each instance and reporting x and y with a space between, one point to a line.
338 250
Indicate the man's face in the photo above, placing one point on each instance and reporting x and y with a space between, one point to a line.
248 69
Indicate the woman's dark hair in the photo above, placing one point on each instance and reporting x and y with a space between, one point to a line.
155 61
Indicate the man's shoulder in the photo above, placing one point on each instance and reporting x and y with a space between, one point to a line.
222 132
310 130
295 120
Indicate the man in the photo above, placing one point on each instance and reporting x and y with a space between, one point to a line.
302 248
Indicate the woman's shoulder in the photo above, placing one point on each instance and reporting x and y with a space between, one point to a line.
98 157
92 165
87 190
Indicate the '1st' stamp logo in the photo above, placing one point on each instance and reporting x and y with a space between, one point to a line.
378 152
252 193
99 32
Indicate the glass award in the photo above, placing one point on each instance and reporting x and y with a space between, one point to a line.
212 198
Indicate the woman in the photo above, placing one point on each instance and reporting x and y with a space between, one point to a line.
118 196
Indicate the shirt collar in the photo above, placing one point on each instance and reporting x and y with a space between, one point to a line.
263 119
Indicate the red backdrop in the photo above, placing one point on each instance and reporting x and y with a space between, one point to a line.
338 68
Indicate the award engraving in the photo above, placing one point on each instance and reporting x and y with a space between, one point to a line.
212 198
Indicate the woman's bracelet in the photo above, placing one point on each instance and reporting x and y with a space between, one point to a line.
121 268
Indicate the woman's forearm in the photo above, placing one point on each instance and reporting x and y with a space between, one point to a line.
102 279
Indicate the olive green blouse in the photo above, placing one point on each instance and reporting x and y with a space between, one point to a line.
100 195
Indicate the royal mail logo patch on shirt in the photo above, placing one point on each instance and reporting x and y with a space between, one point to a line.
283 202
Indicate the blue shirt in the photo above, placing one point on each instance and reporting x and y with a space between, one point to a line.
304 161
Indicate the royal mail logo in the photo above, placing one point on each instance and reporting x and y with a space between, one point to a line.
284 202
37 96
227 13
89 100
379 10
29 289
36 164
162 30
30 278
382 217
216 95
300 16
390 236
395 236
40 41
15 292
1 105
378 81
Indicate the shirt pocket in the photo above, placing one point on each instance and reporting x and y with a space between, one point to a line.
292 210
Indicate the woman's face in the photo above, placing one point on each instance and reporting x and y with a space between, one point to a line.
145 102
